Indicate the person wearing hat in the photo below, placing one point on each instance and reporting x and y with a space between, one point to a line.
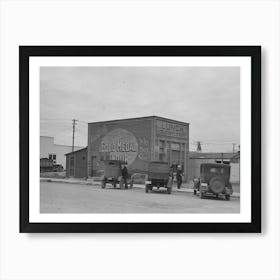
179 174
124 175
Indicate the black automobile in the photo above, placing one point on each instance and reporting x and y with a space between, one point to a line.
112 173
213 180
159 176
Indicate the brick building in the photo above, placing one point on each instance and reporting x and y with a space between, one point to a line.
138 141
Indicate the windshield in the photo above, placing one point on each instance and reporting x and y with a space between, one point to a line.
223 170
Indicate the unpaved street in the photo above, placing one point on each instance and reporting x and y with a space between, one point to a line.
74 198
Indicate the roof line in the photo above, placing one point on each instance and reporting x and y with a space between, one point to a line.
76 151
140 118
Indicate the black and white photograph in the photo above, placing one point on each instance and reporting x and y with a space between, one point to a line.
140 139
142 136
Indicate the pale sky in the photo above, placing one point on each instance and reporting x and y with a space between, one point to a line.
206 97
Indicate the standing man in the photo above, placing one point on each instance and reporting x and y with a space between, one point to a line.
124 175
179 174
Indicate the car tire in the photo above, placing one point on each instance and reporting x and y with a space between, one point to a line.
146 188
103 184
217 184
227 197
121 183
201 195
194 192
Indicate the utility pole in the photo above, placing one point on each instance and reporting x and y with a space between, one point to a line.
74 124
233 148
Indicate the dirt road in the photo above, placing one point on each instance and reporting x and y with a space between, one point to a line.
74 198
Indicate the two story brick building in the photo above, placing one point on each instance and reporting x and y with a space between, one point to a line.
136 141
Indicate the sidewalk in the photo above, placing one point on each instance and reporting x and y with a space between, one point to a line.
185 186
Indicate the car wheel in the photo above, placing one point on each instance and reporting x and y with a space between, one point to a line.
217 184
227 197
103 184
121 183
147 188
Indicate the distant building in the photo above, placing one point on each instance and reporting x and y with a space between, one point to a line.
235 168
56 152
197 158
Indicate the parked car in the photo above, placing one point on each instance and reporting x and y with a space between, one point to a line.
213 180
112 173
58 168
159 176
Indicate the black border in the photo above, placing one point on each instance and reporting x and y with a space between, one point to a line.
251 51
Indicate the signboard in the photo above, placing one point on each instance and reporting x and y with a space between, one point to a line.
119 144
175 146
164 128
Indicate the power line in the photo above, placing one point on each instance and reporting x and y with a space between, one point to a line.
48 119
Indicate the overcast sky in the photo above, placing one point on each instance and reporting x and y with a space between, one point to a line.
206 97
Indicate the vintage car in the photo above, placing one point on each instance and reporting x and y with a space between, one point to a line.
111 173
159 176
58 168
213 180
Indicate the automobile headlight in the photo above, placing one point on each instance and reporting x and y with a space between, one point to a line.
148 182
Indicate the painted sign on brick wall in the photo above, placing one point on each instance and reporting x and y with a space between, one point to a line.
164 128
119 144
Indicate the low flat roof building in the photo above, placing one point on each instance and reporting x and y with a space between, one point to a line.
197 158
53 151
76 163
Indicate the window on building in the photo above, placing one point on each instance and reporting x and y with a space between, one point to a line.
161 146
52 157
161 157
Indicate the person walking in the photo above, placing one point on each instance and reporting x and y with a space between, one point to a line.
124 175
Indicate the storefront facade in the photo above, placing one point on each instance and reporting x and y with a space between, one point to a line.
138 141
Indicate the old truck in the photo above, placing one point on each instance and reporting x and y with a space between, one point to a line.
111 173
159 176
213 180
